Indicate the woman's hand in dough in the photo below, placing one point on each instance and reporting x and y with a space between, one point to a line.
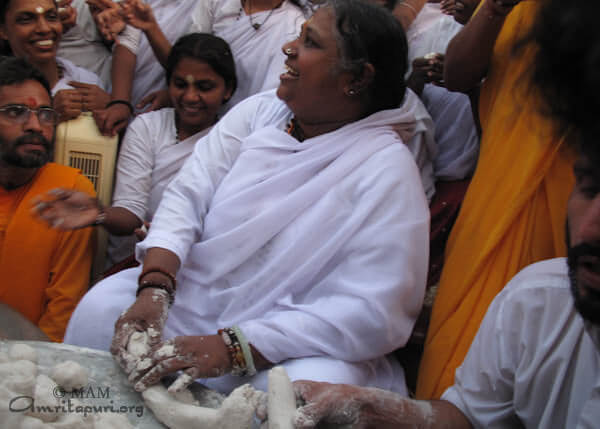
147 314
67 209
197 356
428 69
325 403
109 19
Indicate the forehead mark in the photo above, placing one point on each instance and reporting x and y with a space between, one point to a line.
32 102
40 10
189 78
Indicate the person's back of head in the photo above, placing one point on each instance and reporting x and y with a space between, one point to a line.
566 69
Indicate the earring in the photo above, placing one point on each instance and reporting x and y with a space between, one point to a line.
351 92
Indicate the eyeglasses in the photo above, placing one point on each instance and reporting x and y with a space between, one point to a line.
19 113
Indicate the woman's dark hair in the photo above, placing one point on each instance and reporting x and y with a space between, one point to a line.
566 68
370 34
205 47
14 71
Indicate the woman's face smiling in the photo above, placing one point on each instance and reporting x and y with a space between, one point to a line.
33 29
197 92
313 85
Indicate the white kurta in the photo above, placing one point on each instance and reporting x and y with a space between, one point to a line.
317 250
149 158
259 60
83 44
73 73
534 362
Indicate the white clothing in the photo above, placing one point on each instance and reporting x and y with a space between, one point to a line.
317 250
422 144
534 362
174 18
83 44
431 31
259 60
149 158
73 73
455 133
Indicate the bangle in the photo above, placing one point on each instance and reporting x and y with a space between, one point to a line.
234 349
156 285
164 272
101 217
410 6
125 102
250 368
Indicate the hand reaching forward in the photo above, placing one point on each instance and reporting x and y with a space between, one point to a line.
67 209
197 356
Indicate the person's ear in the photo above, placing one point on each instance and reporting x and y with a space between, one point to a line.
3 33
361 81
227 94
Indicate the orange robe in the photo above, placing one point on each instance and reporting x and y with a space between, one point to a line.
514 211
44 272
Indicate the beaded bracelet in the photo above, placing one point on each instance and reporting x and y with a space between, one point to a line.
236 355
145 284
164 272
250 368
101 217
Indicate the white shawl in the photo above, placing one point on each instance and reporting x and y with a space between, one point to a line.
313 248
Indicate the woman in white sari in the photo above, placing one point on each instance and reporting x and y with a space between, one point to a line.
297 232
201 77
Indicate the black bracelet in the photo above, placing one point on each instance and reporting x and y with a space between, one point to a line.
125 102
156 285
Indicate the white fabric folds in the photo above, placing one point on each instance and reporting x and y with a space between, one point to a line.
317 250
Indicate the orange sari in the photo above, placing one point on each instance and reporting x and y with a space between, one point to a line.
514 211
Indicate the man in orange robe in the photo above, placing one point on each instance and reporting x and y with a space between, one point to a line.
43 271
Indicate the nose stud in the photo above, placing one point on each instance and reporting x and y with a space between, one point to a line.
288 51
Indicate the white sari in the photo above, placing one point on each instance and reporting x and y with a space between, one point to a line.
317 250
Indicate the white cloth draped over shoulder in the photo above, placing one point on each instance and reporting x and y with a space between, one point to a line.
317 250
257 54
71 72
150 156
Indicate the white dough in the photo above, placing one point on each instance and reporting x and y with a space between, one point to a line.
70 375
3 357
74 420
281 400
33 423
47 405
23 351
19 376
111 421
138 344
237 410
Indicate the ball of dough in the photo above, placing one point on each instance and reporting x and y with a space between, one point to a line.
70 375
23 352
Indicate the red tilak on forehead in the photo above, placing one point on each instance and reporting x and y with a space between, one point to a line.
32 102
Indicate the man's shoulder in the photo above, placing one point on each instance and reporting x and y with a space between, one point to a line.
550 273
54 175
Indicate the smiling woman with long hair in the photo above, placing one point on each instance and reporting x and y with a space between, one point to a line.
297 232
